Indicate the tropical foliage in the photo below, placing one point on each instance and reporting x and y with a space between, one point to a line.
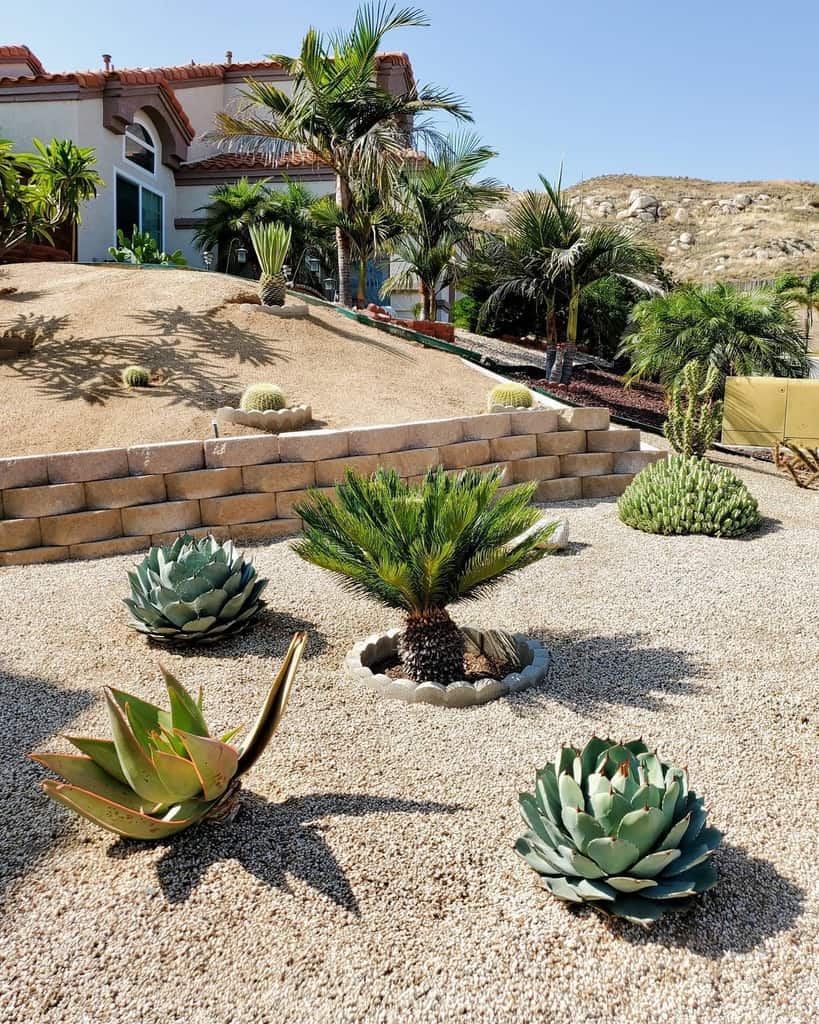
162 771
802 291
141 249
741 332
420 548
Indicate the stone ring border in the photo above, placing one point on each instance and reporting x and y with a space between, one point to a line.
461 694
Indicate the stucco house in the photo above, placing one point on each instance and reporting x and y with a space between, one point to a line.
147 126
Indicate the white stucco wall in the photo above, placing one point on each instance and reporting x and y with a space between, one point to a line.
21 122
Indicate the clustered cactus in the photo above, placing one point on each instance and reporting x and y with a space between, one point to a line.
262 398
693 413
511 395
613 826
193 591
688 495
136 376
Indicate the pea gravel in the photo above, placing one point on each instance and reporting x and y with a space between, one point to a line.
369 876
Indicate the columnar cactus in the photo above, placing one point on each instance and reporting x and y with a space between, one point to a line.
510 395
262 398
693 414
136 376
688 495
613 826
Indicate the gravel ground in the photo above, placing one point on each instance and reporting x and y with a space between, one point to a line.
369 876
89 323
501 351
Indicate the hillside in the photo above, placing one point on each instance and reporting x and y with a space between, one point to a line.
709 230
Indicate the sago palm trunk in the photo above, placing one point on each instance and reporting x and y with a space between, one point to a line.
432 647
345 294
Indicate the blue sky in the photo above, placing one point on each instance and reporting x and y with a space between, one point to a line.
715 90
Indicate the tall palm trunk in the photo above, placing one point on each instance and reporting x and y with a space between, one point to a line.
564 362
433 303
426 300
73 241
343 245
361 300
551 341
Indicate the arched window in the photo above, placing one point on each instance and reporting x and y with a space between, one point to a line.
140 148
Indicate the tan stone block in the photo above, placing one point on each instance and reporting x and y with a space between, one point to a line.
313 445
486 426
375 440
434 433
611 485
33 556
583 419
248 533
544 467
221 533
31 502
533 421
588 464
561 442
23 471
221 452
165 516
80 527
281 476
124 491
332 471
633 462
106 548
97 464
238 508
286 501
523 446
613 440
564 489
168 457
465 454
204 483
19 533
413 462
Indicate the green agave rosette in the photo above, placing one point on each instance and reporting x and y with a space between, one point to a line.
613 826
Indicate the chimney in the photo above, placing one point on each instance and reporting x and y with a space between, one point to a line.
106 59
229 57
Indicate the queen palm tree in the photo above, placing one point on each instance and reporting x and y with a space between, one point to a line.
739 332
337 112
367 225
438 199
803 291
64 171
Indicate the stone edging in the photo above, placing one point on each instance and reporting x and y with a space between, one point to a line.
461 694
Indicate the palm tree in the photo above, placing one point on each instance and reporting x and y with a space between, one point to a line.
746 333
421 548
65 172
367 225
337 112
803 291
438 199
293 206
233 209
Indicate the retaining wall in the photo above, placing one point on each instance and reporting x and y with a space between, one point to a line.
119 500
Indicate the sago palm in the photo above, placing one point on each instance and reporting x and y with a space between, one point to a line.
802 291
337 111
745 333
421 548
271 242
438 198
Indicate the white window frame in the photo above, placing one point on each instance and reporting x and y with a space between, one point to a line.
119 173
152 146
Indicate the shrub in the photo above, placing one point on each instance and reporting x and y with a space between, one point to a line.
688 495
421 548
465 313
693 415
512 395
163 772
613 826
262 398
136 376
193 591
141 249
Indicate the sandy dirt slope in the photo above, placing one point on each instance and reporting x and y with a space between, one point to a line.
88 323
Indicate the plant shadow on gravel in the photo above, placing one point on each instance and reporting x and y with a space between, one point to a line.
271 841
589 672
32 710
750 903
269 635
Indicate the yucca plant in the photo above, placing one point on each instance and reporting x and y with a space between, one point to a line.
423 547
613 826
271 242
163 772
193 591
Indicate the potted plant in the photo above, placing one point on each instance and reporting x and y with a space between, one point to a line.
420 548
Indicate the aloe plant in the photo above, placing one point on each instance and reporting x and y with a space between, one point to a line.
162 771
